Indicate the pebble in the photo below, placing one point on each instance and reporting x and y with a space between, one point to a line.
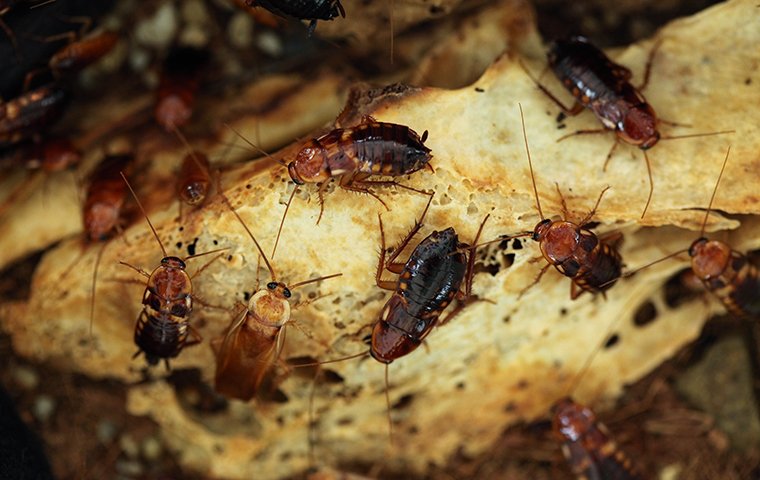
195 12
106 431
194 35
43 408
129 446
139 59
270 44
159 30
240 30
129 468
26 377
152 449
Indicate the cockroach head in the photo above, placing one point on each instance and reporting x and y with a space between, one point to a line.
709 259
570 420
639 127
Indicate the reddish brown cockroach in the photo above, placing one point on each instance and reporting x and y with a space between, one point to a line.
28 115
253 342
352 155
726 273
180 79
588 446
163 328
302 9
194 179
76 55
605 88
592 263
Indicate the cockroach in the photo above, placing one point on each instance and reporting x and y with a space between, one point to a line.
724 272
254 340
302 9
592 263
50 155
180 79
588 446
194 180
430 279
76 55
352 155
28 115
605 88
163 330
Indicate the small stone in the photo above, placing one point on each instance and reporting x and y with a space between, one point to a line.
129 446
195 12
151 449
26 377
129 468
194 36
240 31
158 30
43 408
106 431
139 59
270 44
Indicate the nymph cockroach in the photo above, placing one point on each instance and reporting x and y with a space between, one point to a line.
588 446
605 88
28 115
194 179
253 342
180 79
163 329
591 262
76 55
302 9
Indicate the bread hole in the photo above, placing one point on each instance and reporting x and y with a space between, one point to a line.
681 288
612 341
461 386
645 314
403 402
472 209
345 421
331 376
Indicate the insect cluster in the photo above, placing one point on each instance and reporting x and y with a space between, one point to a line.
384 192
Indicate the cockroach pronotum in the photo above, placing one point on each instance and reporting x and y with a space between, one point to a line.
302 9
28 115
180 78
163 330
605 88
430 279
592 263
724 272
253 342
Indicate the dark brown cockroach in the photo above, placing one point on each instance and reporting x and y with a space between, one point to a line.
592 263
605 88
180 79
724 272
50 155
588 446
28 115
253 342
163 330
302 9
430 279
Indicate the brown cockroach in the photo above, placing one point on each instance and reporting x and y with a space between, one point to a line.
353 155
76 55
432 277
180 79
591 262
605 88
50 155
163 330
588 446
194 179
28 115
724 272
253 342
